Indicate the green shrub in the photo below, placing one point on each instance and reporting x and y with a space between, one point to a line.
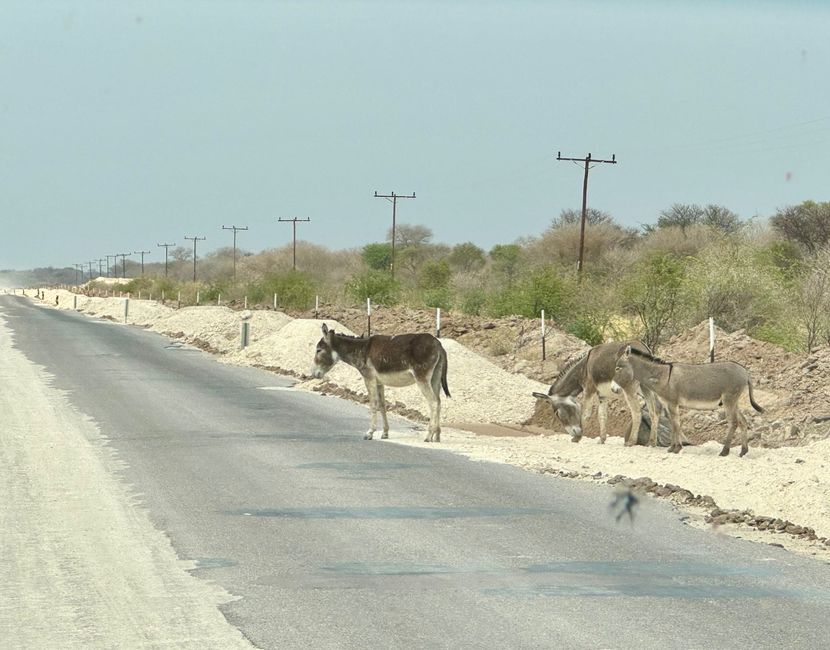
380 286
438 298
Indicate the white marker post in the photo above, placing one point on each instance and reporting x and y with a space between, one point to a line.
369 316
543 335
316 305
179 301
711 340
126 307
219 300
246 302
438 322
275 302
198 296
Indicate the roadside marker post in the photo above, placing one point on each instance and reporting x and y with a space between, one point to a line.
711 340
543 335
369 316
126 307
438 322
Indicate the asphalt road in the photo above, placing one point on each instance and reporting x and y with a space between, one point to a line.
330 541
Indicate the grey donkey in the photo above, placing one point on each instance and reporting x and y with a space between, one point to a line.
592 375
704 386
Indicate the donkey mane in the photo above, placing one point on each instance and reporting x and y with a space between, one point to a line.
650 357
569 366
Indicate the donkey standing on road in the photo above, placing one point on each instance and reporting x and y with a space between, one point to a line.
592 374
704 386
395 361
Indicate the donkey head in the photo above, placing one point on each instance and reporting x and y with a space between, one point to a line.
567 410
325 356
623 372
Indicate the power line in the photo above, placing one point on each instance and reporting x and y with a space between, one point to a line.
123 257
194 240
294 221
142 253
587 161
234 228
166 247
393 199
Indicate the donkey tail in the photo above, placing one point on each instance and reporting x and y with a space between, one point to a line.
444 372
752 401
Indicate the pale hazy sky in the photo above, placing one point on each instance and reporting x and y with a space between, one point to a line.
126 124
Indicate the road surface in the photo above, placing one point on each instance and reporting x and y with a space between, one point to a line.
153 497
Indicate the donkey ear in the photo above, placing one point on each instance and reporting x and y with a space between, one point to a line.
627 351
325 329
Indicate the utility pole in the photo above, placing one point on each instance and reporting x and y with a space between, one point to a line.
79 267
142 253
294 221
115 261
194 240
101 267
393 198
90 268
587 161
166 247
123 257
234 228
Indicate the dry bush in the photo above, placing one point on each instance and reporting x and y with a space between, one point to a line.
676 241
560 246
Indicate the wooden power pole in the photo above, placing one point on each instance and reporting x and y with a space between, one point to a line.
393 198
587 161
294 221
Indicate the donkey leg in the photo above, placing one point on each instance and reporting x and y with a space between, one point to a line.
372 390
674 416
602 416
745 438
630 395
732 413
382 407
434 432
588 398
654 407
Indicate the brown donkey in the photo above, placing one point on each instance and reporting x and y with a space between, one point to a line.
395 361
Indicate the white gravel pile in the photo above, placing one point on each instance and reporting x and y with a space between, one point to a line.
291 347
218 327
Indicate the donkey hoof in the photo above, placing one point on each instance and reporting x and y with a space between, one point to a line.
576 438
601 441
368 435
744 451
385 435
630 443
725 452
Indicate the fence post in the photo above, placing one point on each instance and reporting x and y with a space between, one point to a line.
711 340
543 335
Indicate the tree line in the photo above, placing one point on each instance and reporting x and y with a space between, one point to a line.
769 277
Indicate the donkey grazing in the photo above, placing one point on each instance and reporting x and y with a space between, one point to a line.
703 386
395 361
593 374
